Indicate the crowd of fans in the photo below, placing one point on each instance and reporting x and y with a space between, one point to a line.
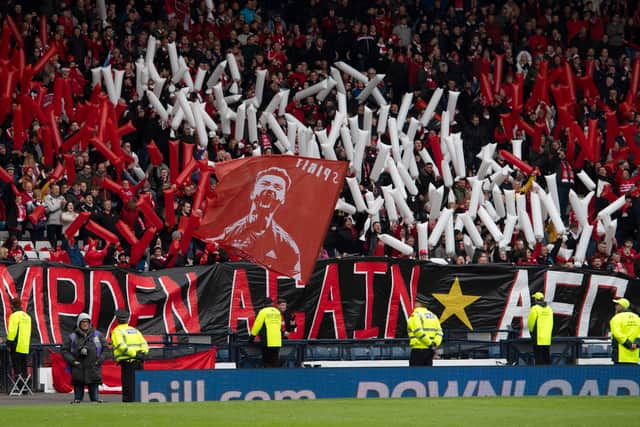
419 46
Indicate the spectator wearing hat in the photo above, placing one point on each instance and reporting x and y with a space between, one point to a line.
541 329
84 350
625 333
130 349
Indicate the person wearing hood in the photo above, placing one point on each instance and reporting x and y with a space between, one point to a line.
84 350
541 329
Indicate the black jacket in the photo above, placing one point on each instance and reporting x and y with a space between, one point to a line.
89 371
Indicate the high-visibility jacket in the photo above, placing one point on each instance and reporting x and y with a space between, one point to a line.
423 329
127 341
271 319
541 323
20 331
625 329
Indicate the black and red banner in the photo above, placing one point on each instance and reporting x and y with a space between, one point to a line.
347 298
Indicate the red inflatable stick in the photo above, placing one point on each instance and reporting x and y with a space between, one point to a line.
612 129
523 166
102 123
4 176
55 131
192 223
497 73
137 250
10 82
518 93
44 32
58 172
77 223
47 146
77 138
485 88
57 97
570 83
187 153
36 214
174 160
594 148
68 99
5 106
201 192
5 41
44 60
154 154
101 232
126 232
149 213
19 61
186 173
19 136
112 186
571 145
106 152
170 213
70 165
635 82
126 129
17 35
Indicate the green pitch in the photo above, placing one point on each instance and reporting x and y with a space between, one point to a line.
493 412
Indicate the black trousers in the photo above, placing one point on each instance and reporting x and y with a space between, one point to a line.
19 362
54 233
421 357
271 357
542 354
128 370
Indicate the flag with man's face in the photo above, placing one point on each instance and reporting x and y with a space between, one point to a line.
274 210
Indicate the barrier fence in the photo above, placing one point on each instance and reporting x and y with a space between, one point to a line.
457 345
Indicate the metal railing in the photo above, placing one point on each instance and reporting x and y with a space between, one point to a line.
230 348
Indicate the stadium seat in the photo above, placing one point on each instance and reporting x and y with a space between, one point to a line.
44 255
41 244
32 255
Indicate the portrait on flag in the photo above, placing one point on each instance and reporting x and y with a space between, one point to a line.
273 210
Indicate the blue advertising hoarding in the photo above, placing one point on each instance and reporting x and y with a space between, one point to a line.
318 383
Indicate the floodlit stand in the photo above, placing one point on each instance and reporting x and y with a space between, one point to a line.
20 385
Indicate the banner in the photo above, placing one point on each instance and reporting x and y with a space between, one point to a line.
346 298
112 381
274 210
363 383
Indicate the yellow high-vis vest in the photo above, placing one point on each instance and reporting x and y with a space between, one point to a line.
541 324
127 341
423 329
271 319
625 329
20 331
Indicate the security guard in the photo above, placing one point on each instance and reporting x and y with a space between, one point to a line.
268 325
19 338
129 349
541 329
425 335
625 333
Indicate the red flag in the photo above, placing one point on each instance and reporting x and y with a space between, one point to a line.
274 210
61 372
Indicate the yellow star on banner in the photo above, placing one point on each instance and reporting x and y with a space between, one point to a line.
454 303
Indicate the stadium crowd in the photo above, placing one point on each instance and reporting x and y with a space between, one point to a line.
419 46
